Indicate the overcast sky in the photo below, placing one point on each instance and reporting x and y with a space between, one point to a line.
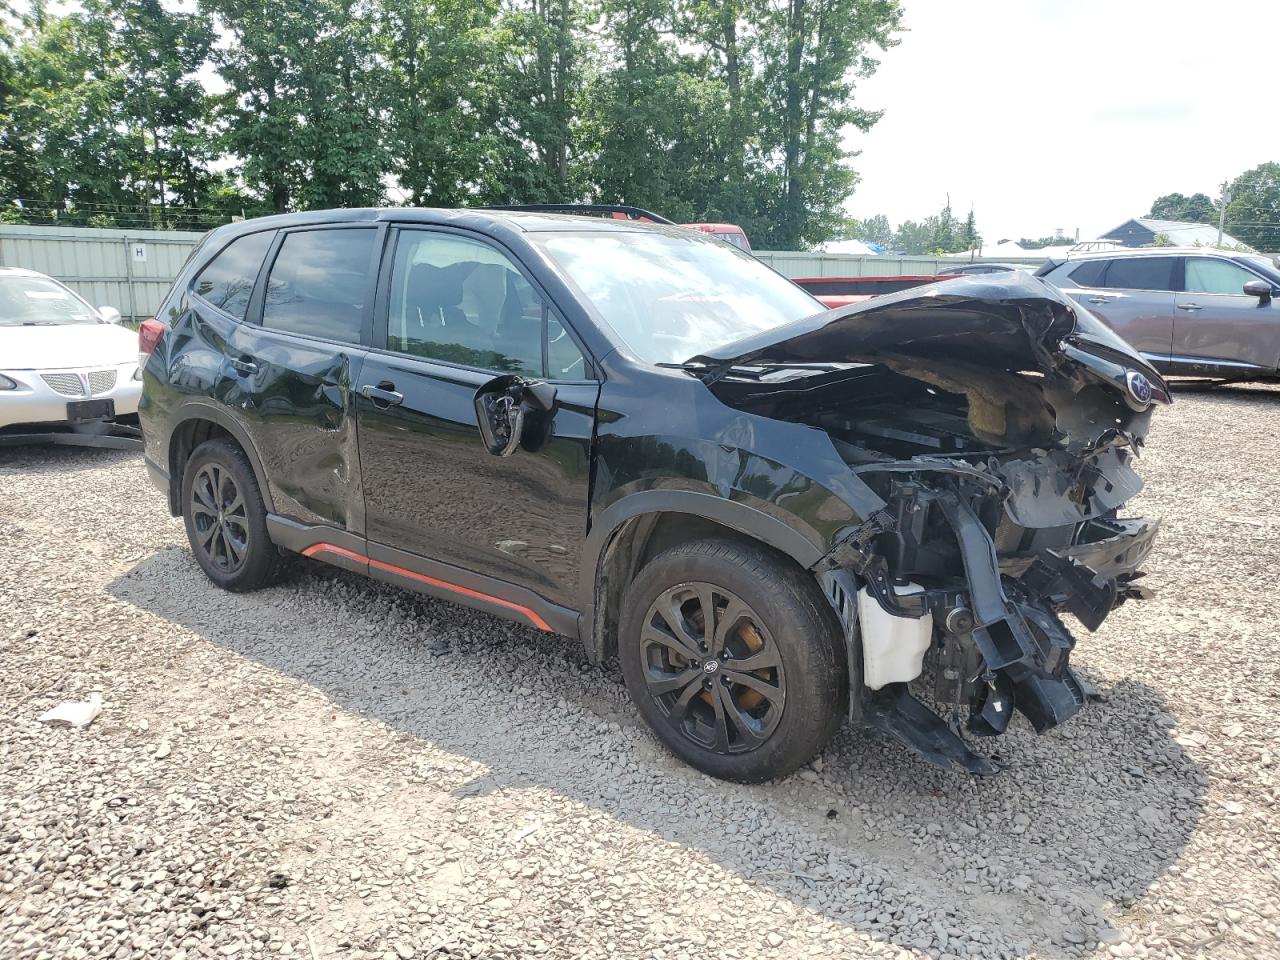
1066 113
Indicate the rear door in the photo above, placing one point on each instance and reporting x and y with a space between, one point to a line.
294 366
1132 295
1220 330
454 311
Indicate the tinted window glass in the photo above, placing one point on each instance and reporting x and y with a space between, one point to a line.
319 283
463 301
1089 273
1141 273
227 280
1206 275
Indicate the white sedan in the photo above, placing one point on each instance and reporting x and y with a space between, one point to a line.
68 371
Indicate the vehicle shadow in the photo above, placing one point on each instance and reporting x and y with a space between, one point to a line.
1038 859
38 459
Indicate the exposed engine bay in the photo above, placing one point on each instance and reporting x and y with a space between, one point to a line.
996 425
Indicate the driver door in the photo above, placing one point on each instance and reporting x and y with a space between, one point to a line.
453 312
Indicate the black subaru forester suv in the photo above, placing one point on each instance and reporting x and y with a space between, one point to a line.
776 517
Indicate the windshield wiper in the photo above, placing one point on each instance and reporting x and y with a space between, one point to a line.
710 373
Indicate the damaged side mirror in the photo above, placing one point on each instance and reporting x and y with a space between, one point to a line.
513 411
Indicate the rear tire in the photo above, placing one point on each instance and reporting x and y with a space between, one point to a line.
226 519
759 694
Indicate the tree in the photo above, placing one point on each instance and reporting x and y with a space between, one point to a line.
542 76
874 230
1197 208
440 97
938 234
1253 215
67 139
301 103
163 104
659 121
813 51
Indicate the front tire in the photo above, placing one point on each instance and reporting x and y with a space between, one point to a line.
733 658
226 519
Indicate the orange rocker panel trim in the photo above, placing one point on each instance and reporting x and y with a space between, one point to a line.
525 612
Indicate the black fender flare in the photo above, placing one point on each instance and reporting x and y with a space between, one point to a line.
202 410
735 515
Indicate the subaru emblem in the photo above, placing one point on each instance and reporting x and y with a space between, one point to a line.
1139 386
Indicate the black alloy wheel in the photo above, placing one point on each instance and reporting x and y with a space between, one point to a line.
712 668
733 657
219 516
226 518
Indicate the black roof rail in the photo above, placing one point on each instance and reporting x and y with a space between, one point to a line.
632 213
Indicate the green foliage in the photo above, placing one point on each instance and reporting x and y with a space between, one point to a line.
937 234
1161 240
1253 215
705 110
1197 208
876 229
1057 240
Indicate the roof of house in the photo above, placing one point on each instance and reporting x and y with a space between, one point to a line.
1179 232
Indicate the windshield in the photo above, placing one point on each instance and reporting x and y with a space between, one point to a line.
37 302
672 296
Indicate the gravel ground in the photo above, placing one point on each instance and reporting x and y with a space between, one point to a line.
334 768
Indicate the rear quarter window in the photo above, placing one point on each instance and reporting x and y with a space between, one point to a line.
1089 273
227 280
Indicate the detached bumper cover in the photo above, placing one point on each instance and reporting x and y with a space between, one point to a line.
111 436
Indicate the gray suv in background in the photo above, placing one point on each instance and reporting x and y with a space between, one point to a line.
1191 311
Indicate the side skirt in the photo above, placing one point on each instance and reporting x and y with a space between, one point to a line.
429 577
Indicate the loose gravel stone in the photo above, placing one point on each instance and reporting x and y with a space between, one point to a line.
333 767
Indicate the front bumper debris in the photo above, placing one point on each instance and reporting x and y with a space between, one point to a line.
999 643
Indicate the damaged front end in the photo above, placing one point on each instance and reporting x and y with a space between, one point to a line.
994 424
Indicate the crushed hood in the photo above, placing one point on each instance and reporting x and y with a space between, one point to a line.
1013 318
1024 355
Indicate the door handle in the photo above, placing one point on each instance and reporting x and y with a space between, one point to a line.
243 365
383 395
1188 306
1099 299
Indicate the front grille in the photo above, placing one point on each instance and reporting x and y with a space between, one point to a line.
67 384
101 381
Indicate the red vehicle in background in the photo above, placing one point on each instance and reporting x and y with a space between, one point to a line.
835 292
728 232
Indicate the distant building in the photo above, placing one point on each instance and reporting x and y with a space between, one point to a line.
1142 232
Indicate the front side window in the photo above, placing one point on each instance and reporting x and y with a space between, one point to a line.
671 297
40 302
1207 275
227 280
319 283
1140 273
463 301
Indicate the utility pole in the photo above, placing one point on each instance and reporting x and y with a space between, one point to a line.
1222 210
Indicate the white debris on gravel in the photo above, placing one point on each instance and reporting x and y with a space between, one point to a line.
334 768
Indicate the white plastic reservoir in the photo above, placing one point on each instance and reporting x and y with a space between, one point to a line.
893 648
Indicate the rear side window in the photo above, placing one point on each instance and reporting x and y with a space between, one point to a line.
1089 273
227 280
1141 273
320 282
